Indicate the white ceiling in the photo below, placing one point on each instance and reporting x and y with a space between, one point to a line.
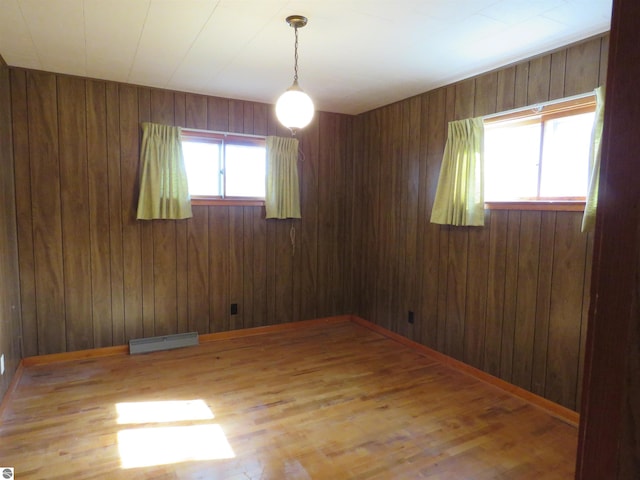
355 55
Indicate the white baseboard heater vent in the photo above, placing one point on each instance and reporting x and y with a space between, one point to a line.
165 342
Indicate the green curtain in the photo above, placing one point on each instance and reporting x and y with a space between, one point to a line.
282 198
460 194
164 191
589 218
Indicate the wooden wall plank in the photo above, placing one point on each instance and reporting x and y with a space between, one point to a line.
198 270
604 60
496 291
182 272
409 222
196 111
327 227
539 80
164 240
219 269
99 225
422 317
116 258
506 99
146 235
259 268
10 319
521 85
271 263
284 272
369 196
47 217
236 266
476 295
131 236
76 241
586 301
260 115
248 118
486 94
236 116
308 241
247 266
444 233
565 315
526 296
218 114
510 295
393 244
582 75
434 137
24 211
346 172
556 81
543 301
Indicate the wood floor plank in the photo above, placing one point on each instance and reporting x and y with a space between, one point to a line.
326 401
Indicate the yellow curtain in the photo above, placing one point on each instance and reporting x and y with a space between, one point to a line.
460 192
164 191
589 217
282 198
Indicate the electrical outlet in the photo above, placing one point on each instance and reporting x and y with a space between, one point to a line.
410 317
2 364
234 309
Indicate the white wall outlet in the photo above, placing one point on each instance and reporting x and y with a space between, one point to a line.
2 364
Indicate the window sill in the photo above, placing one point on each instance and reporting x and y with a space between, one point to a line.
227 202
558 206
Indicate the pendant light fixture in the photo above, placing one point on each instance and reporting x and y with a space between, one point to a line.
294 108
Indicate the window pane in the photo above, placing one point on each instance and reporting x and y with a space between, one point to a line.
565 164
202 161
511 162
245 170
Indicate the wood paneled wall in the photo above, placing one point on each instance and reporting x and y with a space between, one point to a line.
510 298
91 275
9 283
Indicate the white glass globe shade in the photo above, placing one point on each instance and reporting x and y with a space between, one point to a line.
294 109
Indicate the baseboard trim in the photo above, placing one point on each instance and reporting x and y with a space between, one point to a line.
280 327
77 355
17 375
558 411
205 338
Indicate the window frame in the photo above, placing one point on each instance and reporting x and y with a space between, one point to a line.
207 136
541 114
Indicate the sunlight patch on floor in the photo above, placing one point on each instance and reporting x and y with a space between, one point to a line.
145 447
162 444
165 411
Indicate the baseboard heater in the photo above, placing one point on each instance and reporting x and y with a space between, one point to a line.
165 342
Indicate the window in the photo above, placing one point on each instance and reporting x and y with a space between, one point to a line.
540 155
224 167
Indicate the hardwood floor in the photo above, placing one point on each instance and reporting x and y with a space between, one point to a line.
334 401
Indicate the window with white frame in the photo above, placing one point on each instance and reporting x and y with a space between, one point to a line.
539 155
221 166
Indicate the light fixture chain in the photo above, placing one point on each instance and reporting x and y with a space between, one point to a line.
295 57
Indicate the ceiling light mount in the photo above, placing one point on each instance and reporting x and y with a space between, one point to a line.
294 108
296 21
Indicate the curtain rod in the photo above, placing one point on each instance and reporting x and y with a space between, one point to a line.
226 134
539 105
